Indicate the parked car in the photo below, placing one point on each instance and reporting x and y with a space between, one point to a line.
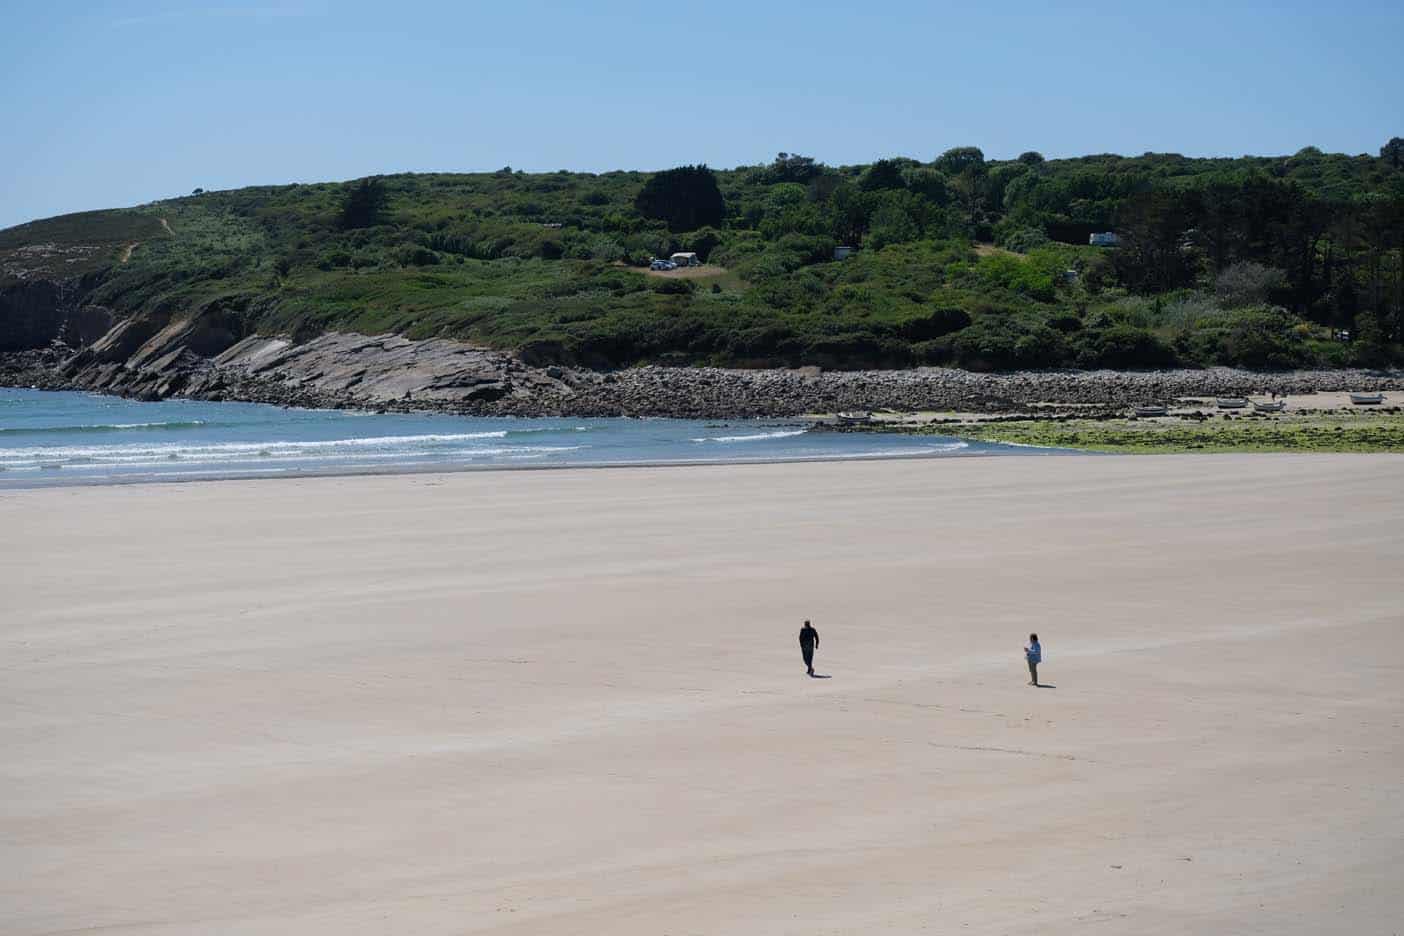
662 265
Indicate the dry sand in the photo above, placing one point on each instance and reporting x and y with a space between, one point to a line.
572 701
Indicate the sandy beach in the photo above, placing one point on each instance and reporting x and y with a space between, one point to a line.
573 702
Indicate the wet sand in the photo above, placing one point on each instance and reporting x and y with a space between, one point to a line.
573 701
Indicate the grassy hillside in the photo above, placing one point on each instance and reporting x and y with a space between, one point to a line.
1256 261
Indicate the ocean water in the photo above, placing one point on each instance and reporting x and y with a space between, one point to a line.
62 438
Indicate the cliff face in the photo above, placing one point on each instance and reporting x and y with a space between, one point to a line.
36 313
52 337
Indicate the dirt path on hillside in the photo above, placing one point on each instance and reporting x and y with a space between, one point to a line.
705 271
698 272
125 253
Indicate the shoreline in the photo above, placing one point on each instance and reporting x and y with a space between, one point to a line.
1334 426
391 374
372 471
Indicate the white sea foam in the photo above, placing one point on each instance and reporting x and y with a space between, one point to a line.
903 452
100 427
779 434
397 442
339 450
1027 445
85 444
414 439
188 424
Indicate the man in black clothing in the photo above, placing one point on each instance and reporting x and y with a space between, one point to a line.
809 639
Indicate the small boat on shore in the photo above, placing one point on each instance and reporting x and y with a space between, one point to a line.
1152 410
1366 399
1232 402
1275 407
853 418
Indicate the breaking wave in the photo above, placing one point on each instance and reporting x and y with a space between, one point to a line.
942 449
756 437
72 438
105 427
408 448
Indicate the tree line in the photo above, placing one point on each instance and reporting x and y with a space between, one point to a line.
1322 234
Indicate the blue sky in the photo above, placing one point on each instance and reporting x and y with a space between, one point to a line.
118 103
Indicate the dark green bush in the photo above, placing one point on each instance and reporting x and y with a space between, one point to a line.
934 324
334 260
702 242
1123 346
673 287
768 344
1005 343
857 349
935 352
364 203
1260 339
1025 239
416 256
686 198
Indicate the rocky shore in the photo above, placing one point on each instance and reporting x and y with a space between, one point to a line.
52 337
394 373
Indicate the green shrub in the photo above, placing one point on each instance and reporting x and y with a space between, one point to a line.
1248 284
673 287
686 198
1005 343
1123 346
764 343
890 225
363 204
416 256
334 260
934 324
1034 276
1024 239
935 352
1260 339
1370 347
854 350
701 242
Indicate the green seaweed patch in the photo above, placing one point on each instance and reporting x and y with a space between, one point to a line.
1346 433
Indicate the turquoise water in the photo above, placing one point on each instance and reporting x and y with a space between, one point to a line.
60 438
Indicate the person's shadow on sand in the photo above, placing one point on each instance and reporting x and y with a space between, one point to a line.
820 676
1044 685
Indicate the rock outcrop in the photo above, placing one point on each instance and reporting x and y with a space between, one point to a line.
36 313
50 338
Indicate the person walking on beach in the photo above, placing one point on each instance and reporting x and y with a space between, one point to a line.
1033 653
809 641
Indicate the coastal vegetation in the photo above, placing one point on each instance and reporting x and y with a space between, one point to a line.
1256 262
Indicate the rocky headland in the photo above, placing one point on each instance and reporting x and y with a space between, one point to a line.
51 341
396 374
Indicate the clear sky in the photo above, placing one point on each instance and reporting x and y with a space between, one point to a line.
117 103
